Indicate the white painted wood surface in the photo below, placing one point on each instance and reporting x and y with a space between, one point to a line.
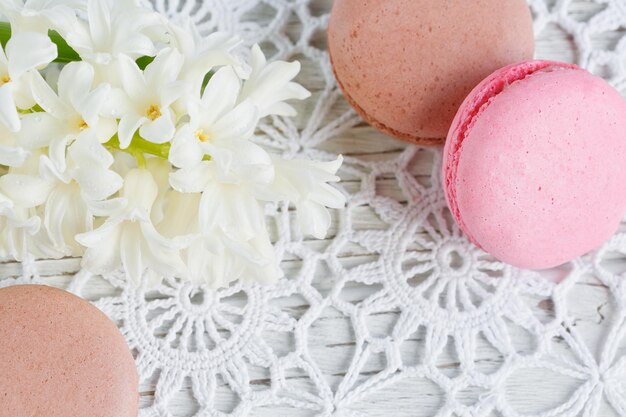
331 343
331 340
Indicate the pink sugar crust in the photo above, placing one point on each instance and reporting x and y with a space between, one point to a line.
533 163
62 357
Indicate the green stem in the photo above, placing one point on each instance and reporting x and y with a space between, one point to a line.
140 146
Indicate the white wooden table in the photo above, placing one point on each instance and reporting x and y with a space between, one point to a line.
331 339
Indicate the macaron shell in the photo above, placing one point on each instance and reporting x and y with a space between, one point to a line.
62 357
406 65
471 108
540 174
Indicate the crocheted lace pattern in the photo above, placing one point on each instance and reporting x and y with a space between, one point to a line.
396 312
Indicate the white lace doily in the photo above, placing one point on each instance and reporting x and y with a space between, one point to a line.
396 314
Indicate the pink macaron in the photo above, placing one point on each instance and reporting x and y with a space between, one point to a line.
534 163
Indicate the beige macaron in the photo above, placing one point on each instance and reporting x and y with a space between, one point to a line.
62 357
407 65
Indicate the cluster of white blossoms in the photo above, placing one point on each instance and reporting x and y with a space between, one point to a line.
127 139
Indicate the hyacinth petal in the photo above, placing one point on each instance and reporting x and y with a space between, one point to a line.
160 130
11 156
165 67
47 99
328 196
104 129
29 50
139 45
90 152
173 91
239 123
191 180
57 151
25 190
128 126
90 107
220 95
130 253
186 150
8 112
140 189
132 78
314 219
105 258
74 83
98 184
66 215
99 21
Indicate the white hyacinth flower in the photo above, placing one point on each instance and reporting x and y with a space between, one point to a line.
128 239
202 53
232 241
68 199
238 189
113 29
216 260
11 153
17 225
304 183
218 126
270 85
76 193
22 191
129 160
23 53
24 186
145 104
40 15
72 114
